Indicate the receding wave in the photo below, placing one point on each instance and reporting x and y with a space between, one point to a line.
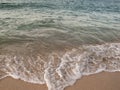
58 69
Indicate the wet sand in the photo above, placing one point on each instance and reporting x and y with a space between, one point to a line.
101 81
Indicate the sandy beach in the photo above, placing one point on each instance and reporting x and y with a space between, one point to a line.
101 81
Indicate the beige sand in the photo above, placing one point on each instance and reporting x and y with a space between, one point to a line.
101 81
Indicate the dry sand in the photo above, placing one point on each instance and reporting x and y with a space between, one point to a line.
101 81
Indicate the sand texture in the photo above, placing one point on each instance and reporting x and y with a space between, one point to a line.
101 81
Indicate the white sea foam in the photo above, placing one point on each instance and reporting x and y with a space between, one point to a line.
63 70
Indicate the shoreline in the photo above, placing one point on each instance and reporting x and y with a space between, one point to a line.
99 81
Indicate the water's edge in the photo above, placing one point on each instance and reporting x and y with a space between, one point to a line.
61 69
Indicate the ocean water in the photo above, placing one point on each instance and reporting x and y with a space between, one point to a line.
56 42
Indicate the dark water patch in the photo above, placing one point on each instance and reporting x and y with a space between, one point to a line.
10 6
37 25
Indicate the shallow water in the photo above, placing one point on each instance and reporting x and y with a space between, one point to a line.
57 42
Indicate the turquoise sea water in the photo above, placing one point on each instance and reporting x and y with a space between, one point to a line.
55 42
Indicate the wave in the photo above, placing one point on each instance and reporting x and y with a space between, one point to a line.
11 6
58 69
